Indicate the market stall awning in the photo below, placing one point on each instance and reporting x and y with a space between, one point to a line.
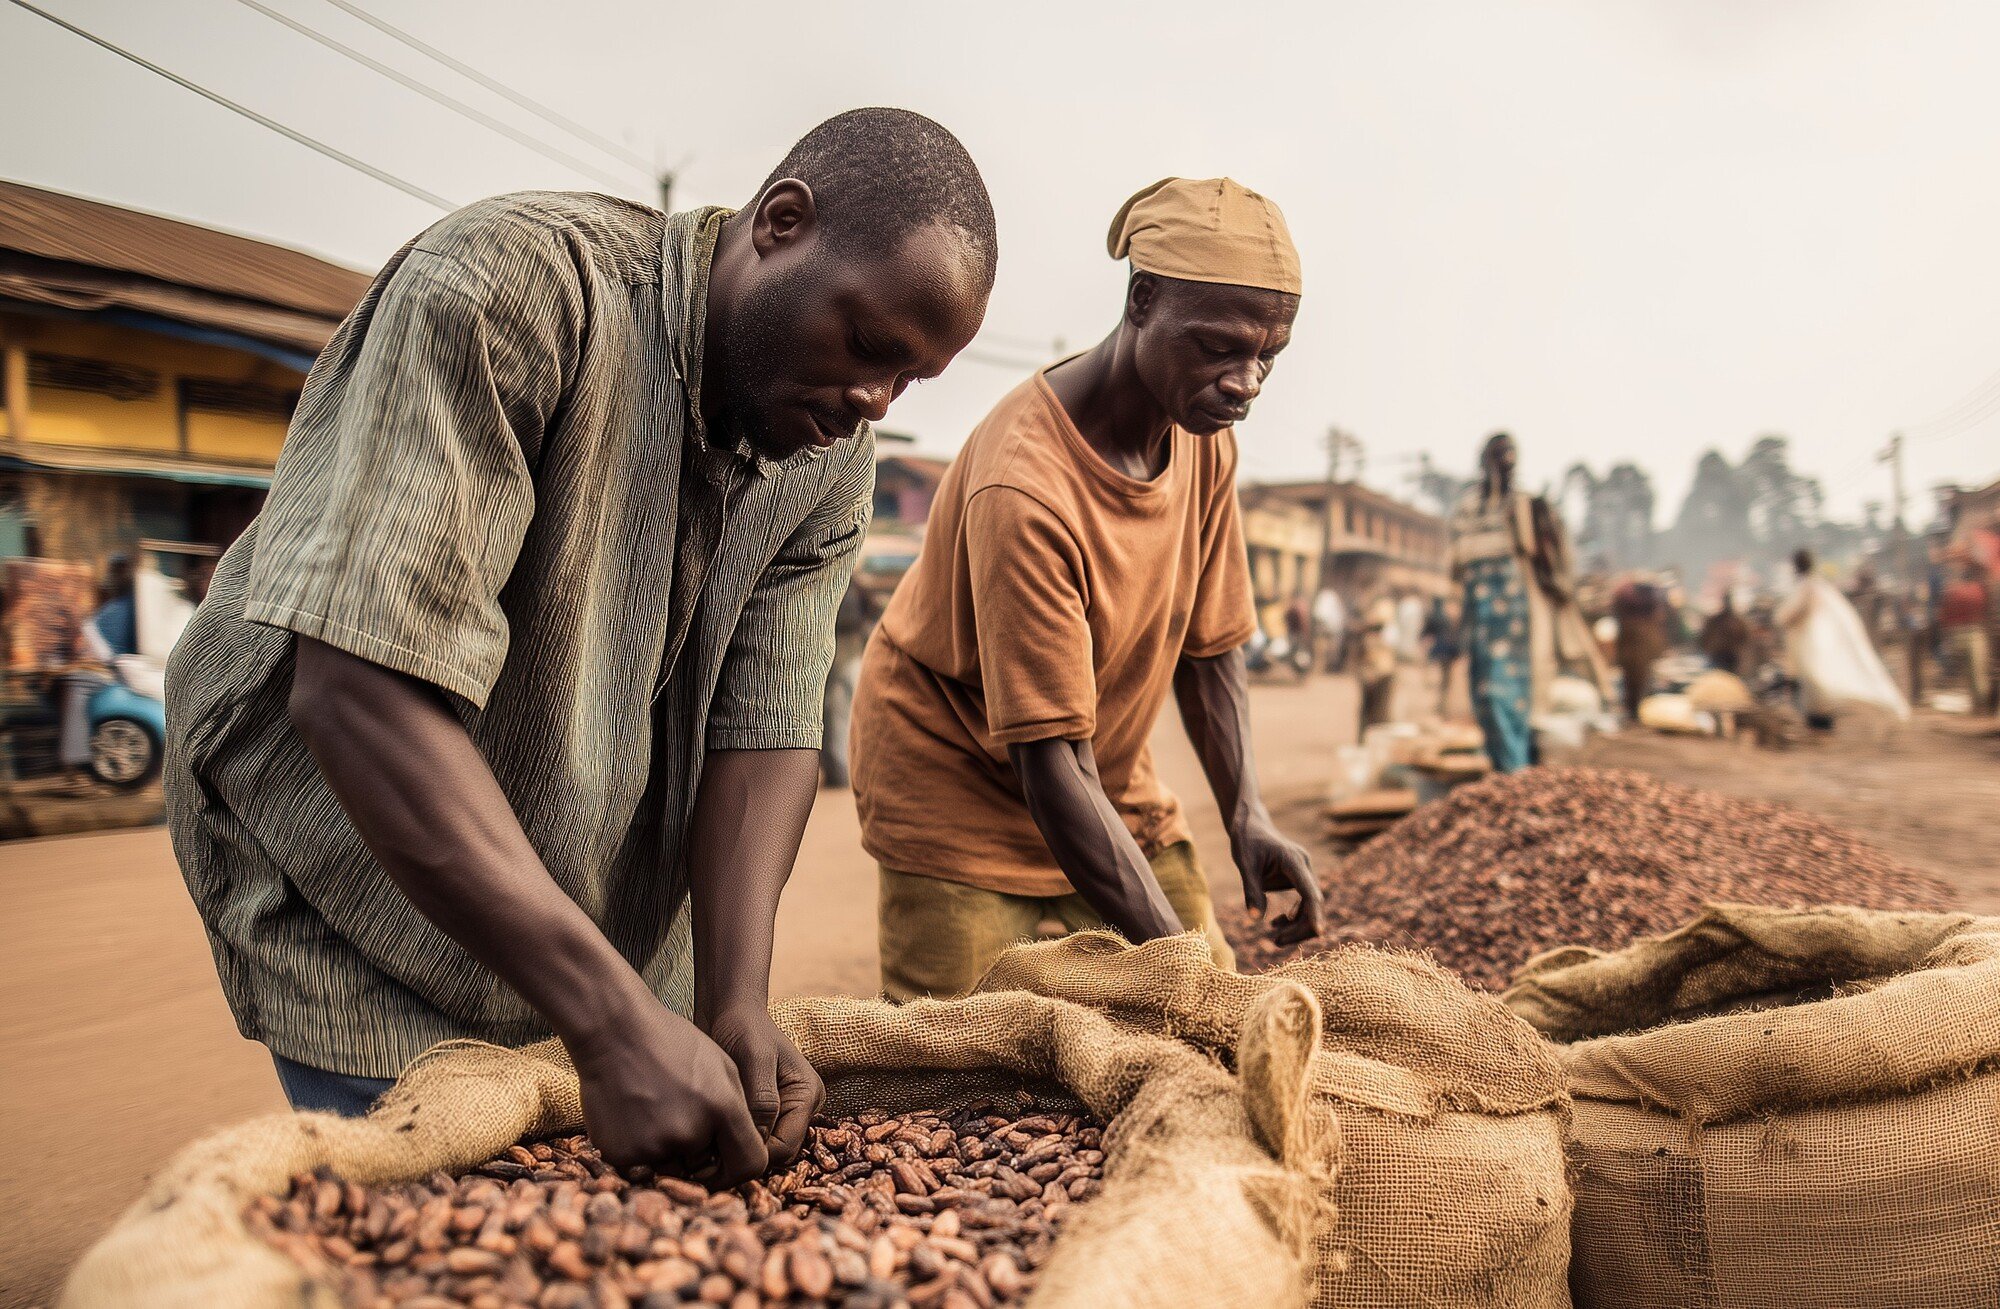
124 464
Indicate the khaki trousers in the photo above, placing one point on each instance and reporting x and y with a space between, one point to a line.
1968 648
939 937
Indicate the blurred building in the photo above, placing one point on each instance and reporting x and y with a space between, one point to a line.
1973 520
905 486
1284 542
149 370
1354 539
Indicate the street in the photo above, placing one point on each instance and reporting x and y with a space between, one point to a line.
119 1049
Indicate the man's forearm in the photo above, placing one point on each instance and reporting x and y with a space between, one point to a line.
749 817
1214 699
1090 842
430 810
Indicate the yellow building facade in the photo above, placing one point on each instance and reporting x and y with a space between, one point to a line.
148 371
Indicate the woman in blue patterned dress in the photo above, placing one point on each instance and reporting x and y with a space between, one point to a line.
1521 622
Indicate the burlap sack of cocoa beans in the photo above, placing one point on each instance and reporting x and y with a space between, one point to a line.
1779 1107
1450 1184
1213 1188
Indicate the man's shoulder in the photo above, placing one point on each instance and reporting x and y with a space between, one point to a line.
621 238
1019 445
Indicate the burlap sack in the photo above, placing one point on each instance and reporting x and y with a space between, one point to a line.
1839 1149
1213 1188
1450 1182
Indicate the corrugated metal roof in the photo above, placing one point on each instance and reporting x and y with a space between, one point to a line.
78 231
91 290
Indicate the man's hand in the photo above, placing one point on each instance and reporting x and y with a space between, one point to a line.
1271 861
781 1088
1214 696
656 1091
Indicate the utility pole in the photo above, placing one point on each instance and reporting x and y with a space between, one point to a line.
1339 444
666 181
1892 455
1915 635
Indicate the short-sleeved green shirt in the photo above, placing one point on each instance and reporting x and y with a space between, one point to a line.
497 481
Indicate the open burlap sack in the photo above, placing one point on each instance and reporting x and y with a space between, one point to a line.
1450 1183
1214 1184
1797 1108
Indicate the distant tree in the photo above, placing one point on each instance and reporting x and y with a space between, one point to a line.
1441 487
1757 512
1714 520
1611 516
1785 505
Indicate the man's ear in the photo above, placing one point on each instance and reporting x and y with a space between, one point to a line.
786 212
1141 294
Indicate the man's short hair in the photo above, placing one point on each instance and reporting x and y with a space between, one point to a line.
1803 562
878 175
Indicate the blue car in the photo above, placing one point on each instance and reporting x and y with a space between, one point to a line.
128 732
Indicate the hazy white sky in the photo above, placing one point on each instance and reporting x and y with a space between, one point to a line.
1620 229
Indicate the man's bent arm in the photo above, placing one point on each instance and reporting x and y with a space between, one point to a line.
749 817
430 810
1090 842
1214 699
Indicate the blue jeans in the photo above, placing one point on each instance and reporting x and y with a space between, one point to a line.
333 1093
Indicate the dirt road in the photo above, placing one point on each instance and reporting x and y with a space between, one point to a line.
1928 793
117 1048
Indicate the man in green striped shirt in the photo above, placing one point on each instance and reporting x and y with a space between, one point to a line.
502 719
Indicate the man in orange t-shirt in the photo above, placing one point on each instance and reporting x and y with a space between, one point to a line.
1084 556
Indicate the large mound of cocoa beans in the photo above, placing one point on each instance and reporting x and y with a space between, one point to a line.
1508 867
955 1210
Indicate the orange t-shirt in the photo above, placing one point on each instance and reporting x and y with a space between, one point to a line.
1052 598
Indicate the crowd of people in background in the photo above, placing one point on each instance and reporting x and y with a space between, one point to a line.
1517 615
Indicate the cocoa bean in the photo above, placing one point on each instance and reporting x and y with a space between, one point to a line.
1503 869
932 1211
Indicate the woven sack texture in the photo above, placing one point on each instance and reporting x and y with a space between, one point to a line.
1214 1183
1783 1107
1450 1184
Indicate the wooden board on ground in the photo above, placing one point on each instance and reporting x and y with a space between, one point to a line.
1354 831
1458 765
1386 804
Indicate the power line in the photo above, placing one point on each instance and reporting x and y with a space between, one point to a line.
994 359
457 106
534 107
1970 408
1016 339
387 179
1964 421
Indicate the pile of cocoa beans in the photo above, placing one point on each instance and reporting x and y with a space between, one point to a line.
1506 868
955 1210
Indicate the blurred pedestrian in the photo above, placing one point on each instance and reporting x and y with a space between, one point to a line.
1330 623
1376 662
1828 652
1962 614
1521 621
111 632
1411 615
1441 644
1640 609
851 625
1725 638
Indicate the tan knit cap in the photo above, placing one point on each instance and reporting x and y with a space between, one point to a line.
1212 230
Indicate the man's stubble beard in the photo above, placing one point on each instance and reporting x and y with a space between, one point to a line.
750 347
